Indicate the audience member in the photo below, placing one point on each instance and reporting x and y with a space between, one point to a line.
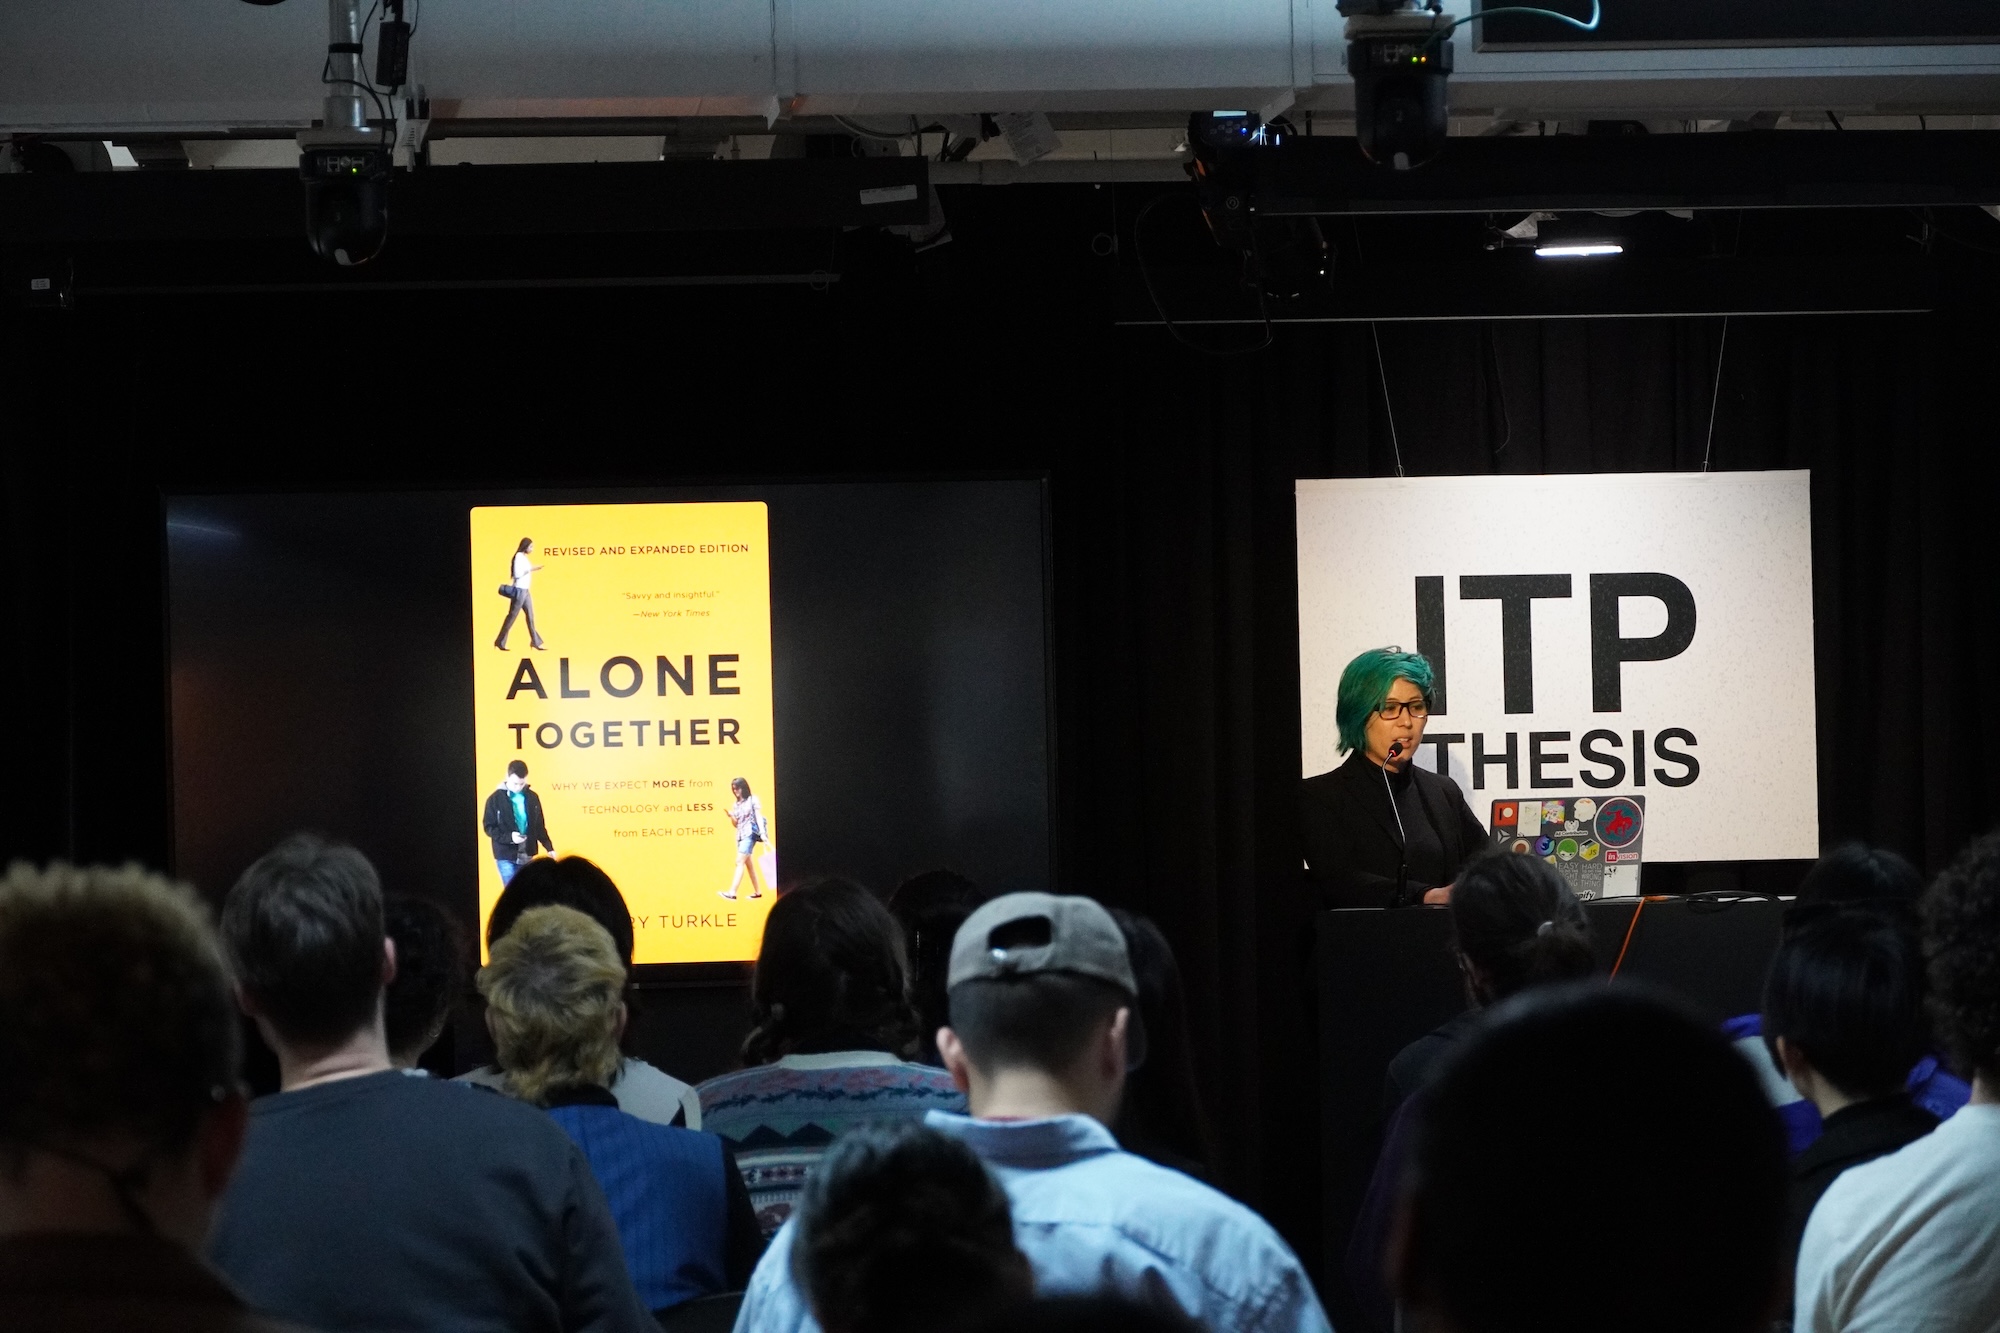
1088 1314
1844 1018
930 908
553 1004
368 1200
1042 1033
1515 924
902 1230
1849 878
430 972
573 881
830 1043
1912 1240
122 1118
1592 1159
1161 1116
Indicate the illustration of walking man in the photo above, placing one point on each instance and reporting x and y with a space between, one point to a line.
512 821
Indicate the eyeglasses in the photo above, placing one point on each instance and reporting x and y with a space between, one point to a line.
1392 709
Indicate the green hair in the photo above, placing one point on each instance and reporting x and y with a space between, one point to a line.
1365 684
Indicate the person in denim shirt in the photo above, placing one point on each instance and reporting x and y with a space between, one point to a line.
1044 1029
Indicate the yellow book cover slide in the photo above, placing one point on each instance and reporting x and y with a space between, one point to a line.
622 653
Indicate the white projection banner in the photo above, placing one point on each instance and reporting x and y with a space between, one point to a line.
1595 639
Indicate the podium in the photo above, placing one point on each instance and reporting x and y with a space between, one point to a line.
1384 978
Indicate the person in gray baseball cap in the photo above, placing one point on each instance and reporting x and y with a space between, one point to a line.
1044 1027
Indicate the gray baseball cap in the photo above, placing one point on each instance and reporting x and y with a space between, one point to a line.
1023 934
1020 934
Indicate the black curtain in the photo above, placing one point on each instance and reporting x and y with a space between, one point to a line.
1176 647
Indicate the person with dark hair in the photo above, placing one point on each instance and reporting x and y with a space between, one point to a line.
521 571
1844 1018
574 881
1161 1116
746 818
1851 878
902 1230
513 823
1381 830
369 1200
430 970
829 1046
1523 1213
1912 1240
554 992
123 1115
930 908
1043 1032
1516 924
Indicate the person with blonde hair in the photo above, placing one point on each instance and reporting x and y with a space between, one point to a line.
554 992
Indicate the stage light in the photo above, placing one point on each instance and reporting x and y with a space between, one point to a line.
1588 237
1399 56
345 162
1583 251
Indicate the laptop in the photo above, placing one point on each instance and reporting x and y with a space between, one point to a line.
1594 842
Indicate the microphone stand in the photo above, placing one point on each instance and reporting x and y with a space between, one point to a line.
1403 858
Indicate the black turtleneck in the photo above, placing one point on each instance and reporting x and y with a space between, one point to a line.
1423 846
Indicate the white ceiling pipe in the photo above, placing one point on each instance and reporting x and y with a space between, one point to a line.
108 67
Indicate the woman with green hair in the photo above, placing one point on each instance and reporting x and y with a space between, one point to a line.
1380 831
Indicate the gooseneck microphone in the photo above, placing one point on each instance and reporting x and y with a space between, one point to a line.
1403 858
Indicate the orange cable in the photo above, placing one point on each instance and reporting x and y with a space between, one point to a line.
1649 898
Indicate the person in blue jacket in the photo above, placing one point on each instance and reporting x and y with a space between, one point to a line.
1855 878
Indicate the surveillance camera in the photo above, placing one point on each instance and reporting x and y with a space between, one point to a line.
347 202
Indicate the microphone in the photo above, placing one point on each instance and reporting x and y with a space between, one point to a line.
1403 860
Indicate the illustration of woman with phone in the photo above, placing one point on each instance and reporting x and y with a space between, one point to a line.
520 574
748 817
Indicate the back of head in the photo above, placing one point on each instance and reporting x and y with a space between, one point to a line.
116 1018
1854 873
430 968
1519 925
568 881
304 931
1594 1158
552 991
1961 935
1162 1115
1847 989
930 908
830 977
1035 978
901 1229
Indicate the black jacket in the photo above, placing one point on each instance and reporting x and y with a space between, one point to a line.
1349 830
1852 1135
498 822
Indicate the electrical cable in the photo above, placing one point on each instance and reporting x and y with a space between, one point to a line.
1596 16
1500 390
1836 121
1375 332
1715 396
1146 276
1631 929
